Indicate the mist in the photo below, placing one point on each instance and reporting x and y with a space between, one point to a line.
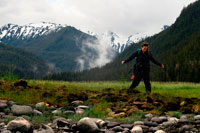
95 54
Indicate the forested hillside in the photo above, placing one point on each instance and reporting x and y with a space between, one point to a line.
18 62
60 48
177 47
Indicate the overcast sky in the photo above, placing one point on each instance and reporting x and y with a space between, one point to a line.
124 17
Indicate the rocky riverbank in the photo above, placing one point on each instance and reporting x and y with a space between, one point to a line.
17 118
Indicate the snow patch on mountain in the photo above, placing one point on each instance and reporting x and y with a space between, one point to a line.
31 30
120 43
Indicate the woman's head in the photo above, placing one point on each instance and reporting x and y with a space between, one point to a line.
144 46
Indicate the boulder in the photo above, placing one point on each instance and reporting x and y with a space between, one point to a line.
117 129
3 105
160 131
137 129
112 124
87 125
20 124
83 107
36 112
44 129
197 117
157 120
6 131
100 123
40 105
138 123
21 110
77 103
61 122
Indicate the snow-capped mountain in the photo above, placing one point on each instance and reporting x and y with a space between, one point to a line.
118 43
28 31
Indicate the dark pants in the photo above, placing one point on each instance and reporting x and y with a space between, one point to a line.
138 77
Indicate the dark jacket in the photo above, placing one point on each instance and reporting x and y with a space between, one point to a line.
142 61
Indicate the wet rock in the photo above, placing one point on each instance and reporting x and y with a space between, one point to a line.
69 112
157 120
36 112
197 117
138 123
44 129
2 126
137 129
173 119
160 131
113 124
183 120
148 115
150 124
19 124
83 107
117 129
185 128
11 103
129 126
61 122
108 131
2 115
153 129
163 118
77 103
3 105
87 125
6 131
126 131
100 123
21 110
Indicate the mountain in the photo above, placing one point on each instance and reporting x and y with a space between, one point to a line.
61 46
177 47
19 62
65 48
29 31
119 44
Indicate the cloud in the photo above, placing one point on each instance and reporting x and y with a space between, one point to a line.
124 17
95 54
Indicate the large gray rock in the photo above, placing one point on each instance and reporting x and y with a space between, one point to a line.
20 124
117 129
3 104
61 122
197 117
36 112
6 131
138 123
100 123
137 129
160 131
21 110
44 129
87 125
